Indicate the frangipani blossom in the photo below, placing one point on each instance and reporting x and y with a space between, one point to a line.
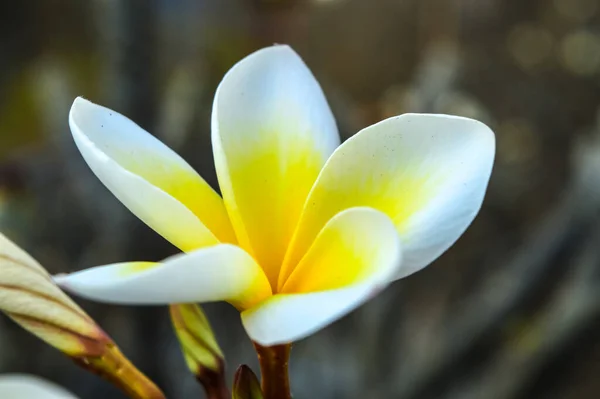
307 229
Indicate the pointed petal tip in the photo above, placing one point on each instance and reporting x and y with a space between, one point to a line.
62 280
81 114
80 104
80 100
273 54
276 48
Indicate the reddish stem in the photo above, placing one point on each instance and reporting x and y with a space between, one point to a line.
274 362
214 384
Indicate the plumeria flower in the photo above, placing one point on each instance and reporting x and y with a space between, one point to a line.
22 386
306 229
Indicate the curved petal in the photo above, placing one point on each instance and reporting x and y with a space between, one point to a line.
223 272
342 250
285 318
272 131
21 386
428 173
152 181
352 247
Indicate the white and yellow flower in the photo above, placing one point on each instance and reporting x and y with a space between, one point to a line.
307 229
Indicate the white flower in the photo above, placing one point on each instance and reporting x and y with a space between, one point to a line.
307 229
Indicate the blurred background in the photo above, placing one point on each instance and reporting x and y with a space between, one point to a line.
511 311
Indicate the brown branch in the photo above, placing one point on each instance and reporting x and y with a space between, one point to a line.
274 370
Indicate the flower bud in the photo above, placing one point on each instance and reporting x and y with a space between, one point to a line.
245 384
29 296
199 346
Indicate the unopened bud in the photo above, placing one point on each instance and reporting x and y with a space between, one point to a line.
200 348
29 296
245 384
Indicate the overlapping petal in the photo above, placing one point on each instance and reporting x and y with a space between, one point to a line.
21 386
428 173
286 318
354 246
272 131
222 272
352 259
154 182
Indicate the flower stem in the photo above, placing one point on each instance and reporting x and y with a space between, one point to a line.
274 361
115 367
214 384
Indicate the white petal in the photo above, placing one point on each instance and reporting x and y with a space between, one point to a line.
220 273
21 386
340 254
286 318
272 131
428 173
156 184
